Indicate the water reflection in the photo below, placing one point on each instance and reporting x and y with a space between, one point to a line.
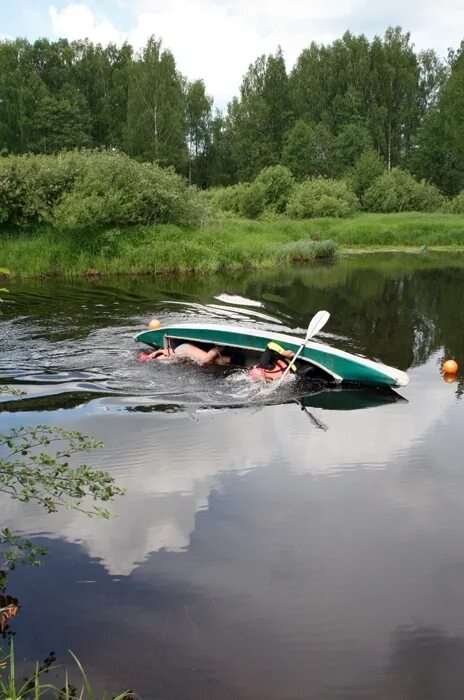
170 466
70 394
307 545
288 582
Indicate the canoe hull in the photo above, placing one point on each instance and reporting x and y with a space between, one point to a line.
341 365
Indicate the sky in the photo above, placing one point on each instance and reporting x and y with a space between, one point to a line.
216 40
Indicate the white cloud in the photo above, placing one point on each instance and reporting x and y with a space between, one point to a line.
216 40
78 21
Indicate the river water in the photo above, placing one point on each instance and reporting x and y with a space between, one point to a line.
293 545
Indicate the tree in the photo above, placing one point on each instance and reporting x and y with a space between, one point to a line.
309 150
433 76
8 97
59 122
222 167
439 152
156 128
353 81
120 60
21 88
53 62
395 109
350 82
352 140
101 75
332 83
277 99
309 82
198 113
258 120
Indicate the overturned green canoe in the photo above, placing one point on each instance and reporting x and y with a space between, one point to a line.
340 365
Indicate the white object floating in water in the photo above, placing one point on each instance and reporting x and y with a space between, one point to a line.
230 299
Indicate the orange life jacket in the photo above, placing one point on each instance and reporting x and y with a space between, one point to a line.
260 373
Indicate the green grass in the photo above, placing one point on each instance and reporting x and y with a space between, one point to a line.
34 687
223 245
393 230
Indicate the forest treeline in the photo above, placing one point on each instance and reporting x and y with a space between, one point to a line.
337 103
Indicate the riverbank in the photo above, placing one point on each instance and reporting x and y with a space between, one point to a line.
223 245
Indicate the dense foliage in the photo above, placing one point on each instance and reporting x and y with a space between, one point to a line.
319 119
456 205
277 184
398 191
83 189
322 197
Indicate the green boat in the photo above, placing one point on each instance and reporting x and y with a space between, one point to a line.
336 364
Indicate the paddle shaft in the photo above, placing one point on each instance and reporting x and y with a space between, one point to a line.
317 322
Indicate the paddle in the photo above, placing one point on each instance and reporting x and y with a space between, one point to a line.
316 323
318 423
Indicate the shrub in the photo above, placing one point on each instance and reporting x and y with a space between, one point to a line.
87 189
252 200
270 192
397 191
115 190
31 185
304 250
277 182
227 199
455 205
322 197
366 170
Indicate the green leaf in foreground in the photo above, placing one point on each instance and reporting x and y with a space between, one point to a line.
29 473
35 467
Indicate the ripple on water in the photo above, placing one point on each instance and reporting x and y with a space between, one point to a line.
72 346
68 356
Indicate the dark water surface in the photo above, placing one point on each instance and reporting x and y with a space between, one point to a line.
283 546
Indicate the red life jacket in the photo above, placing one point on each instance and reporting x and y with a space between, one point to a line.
260 373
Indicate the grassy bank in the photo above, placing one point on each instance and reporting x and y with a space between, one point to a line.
409 229
228 244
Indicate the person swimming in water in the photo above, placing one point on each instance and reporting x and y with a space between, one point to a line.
206 355
272 364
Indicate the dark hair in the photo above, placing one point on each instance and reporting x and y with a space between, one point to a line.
237 357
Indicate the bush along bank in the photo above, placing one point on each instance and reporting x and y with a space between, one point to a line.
368 186
96 213
81 190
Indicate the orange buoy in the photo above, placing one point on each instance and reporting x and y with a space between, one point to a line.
450 378
450 367
154 324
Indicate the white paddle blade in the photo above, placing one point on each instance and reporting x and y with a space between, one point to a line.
317 322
